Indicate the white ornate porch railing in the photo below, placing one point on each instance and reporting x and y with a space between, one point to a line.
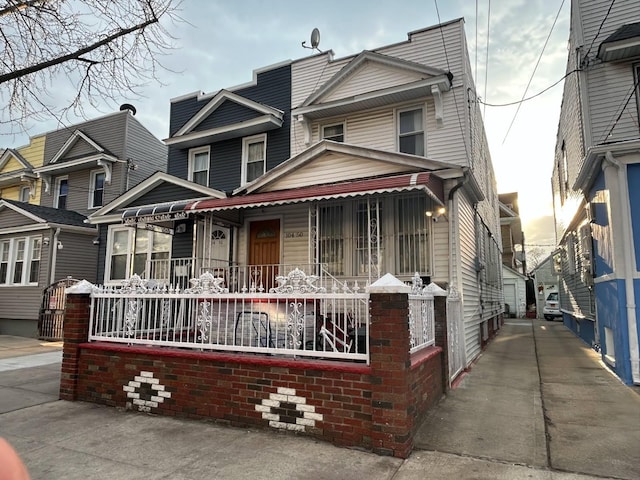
296 317
422 314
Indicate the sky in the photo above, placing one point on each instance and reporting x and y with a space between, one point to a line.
219 43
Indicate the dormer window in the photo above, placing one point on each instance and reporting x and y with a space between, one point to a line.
254 156
333 132
411 137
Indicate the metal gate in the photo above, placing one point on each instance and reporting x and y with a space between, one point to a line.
454 321
51 318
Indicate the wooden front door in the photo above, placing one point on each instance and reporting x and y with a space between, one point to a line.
264 250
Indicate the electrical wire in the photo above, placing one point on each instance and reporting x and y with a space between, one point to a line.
634 88
453 90
532 96
534 71
599 29
475 74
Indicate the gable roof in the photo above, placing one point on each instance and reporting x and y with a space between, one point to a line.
423 81
269 118
295 163
76 136
149 184
48 215
11 153
359 61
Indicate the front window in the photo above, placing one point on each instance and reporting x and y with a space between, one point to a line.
20 261
333 132
199 166
411 131
254 156
96 190
62 192
367 238
138 251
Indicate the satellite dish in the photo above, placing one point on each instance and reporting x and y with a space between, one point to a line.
315 38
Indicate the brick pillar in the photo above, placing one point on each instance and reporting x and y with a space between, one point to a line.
391 399
442 336
76 331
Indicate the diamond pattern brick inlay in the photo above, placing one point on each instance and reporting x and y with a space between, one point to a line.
287 411
145 392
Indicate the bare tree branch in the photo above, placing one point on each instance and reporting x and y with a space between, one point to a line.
58 57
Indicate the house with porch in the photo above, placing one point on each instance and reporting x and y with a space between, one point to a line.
345 169
48 190
595 183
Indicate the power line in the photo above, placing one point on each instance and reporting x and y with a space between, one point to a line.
599 29
453 90
532 96
626 103
534 71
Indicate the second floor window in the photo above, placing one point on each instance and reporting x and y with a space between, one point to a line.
254 156
24 194
62 192
96 190
333 132
199 166
411 131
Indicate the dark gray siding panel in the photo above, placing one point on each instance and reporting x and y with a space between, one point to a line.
107 132
182 246
227 114
20 303
9 218
226 164
178 162
78 258
165 192
103 230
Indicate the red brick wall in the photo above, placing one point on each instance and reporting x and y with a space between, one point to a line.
376 406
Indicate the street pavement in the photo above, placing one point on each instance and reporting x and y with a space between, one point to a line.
536 405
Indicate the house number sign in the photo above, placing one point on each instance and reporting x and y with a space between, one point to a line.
293 234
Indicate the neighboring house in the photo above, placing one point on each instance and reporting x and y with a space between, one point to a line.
515 292
512 234
47 239
545 280
346 168
596 182
18 180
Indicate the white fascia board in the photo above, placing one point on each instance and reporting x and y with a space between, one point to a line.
11 153
72 140
25 229
591 163
264 119
19 210
74 163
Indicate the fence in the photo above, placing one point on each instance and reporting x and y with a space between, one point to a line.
422 314
296 318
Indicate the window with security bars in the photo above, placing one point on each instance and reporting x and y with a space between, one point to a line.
390 233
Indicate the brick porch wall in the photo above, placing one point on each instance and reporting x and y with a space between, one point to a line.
376 406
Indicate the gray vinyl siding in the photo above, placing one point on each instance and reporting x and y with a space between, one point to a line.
103 231
78 258
10 218
145 151
79 149
469 279
107 131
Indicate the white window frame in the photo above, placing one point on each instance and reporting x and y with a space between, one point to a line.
246 141
398 111
131 236
57 199
334 124
192 155
11 245
26 189
92 187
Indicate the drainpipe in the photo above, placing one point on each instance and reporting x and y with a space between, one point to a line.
627 242
54 256
452 226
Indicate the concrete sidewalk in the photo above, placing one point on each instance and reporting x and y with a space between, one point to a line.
539 396
491 427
